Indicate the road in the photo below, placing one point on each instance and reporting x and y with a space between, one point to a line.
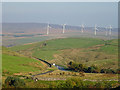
49 64
59 67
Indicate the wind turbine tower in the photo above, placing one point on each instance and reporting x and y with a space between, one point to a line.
110 28
106 31
64 28
48 27
82 28
95 29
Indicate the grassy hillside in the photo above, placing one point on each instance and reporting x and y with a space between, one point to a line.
83 50
110 47
64 43
54 46
103 55
13 62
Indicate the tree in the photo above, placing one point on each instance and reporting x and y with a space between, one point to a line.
75 66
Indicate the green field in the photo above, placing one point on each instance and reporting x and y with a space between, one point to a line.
13 62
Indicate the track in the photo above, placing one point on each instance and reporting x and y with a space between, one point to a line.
44 61
59 67
41 73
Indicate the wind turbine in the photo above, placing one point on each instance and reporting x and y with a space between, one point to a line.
95 29
48 29
82 28
110 28
64 28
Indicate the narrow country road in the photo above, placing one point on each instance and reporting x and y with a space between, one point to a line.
59 67
49 64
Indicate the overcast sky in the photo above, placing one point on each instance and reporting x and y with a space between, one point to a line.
88 13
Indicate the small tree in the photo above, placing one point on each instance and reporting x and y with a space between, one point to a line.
80 67
93 69
110 71
102 71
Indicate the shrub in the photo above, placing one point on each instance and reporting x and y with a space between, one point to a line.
60 73
85 69
107 84
79 83
75 66
107 71
102 71
99 84
61 85
14 82
93 69
63 73
72 83
110 71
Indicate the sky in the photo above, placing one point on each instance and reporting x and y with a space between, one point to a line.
71 13
60 0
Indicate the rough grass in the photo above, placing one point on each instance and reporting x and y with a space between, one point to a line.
87 57
80 75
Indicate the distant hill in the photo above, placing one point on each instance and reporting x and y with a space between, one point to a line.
26 27
23 33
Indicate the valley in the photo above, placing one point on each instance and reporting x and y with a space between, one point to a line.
21 60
